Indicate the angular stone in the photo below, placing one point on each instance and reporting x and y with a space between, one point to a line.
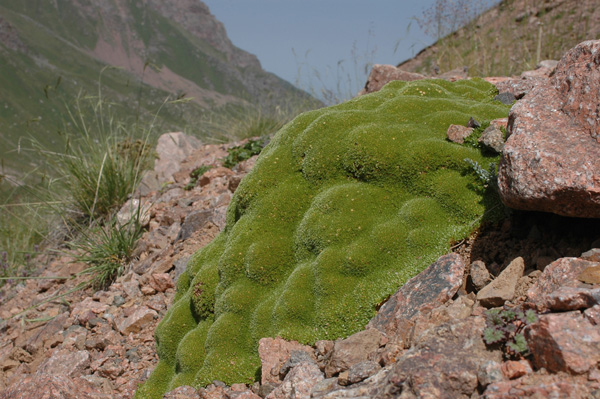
136 321
492 138
489 372
564 342
193 222
593 315
458 133
161 282
422 293
479 274
577 80
134 212
352 350
518 87
512 369
243 395
66 363
183 392
539 386
505 98
563 272
361 371
297 357
274 352
551 161
298 383
52 386
82 309
459 309
444 364
572 298
502 289
373 387
383 74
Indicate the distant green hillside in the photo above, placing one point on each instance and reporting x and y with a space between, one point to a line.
53 52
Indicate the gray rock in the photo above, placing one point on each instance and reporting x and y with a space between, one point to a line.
180 266
359 372
193 222
479 274
492 138
489 372
297 357
298 383
506 98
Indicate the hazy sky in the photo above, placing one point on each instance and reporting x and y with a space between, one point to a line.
323 33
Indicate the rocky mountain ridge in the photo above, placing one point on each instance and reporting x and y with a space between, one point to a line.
426 340
54 52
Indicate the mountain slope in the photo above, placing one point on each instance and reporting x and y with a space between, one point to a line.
504 41
51 51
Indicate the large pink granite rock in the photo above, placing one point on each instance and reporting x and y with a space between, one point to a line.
551 161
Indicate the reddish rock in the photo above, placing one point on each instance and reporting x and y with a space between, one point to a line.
577 80
458 133
183 392
572 298
564 342
593 314
161 282
66 363
444 364
459 309
540 386
422 293
383 74
516 368
136 321
518 87
82 310
243 395
563 272
356 348
503 287
551 160
274 352
48 386
499 123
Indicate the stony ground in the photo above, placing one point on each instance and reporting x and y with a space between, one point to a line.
106 337
425 341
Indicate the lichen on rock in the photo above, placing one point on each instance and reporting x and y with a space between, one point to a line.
343 206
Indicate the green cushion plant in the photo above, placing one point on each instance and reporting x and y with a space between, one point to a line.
343 206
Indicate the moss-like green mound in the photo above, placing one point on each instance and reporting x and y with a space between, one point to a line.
343 206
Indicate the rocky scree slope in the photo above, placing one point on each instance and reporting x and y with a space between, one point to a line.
426 339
